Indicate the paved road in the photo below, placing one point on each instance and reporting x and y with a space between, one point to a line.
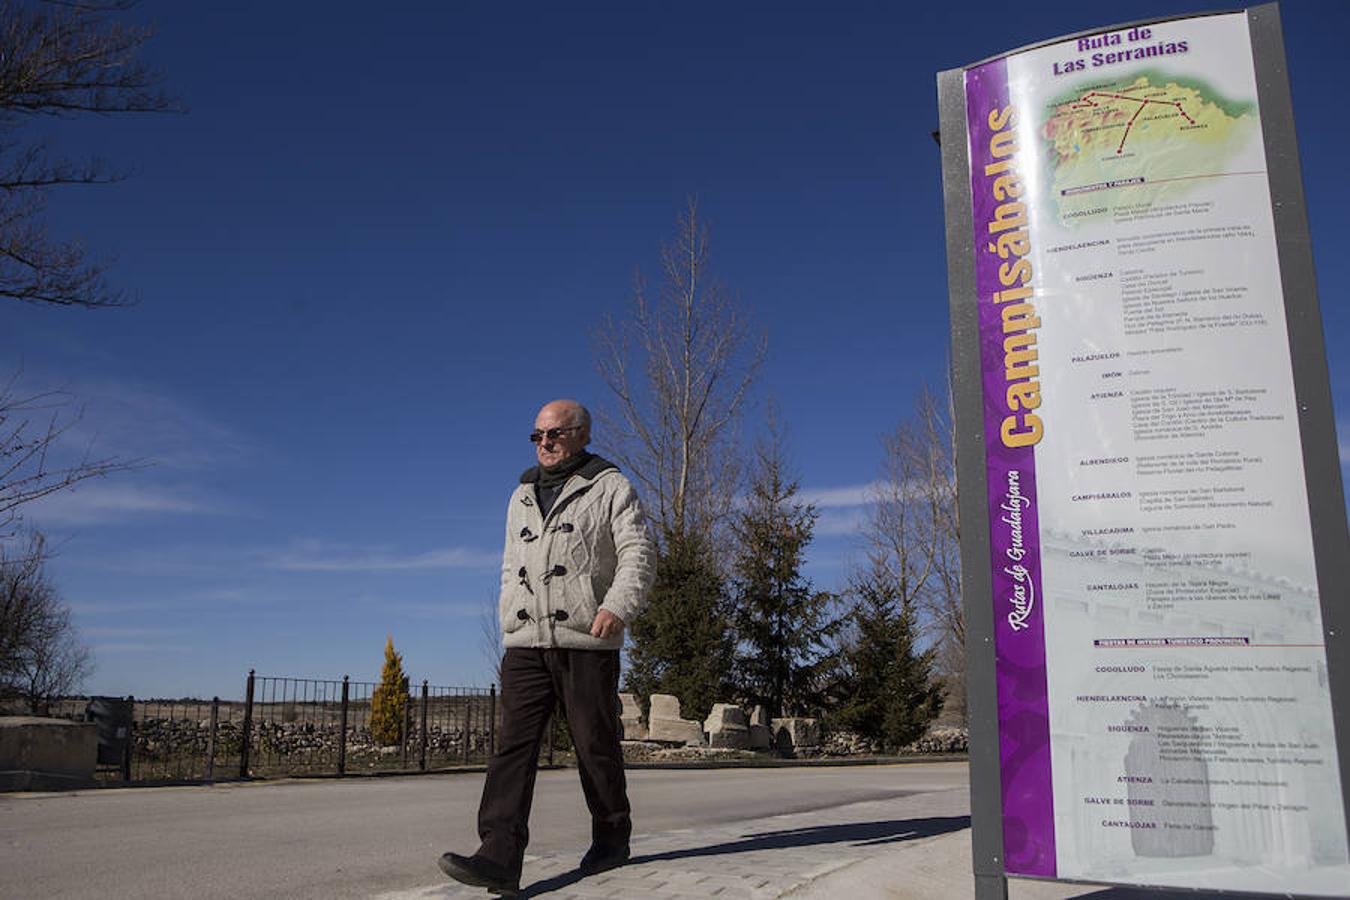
740 832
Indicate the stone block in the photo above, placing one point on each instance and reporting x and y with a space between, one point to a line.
675 731
760 732
726 727
664 723
664 706
794 735
630 718
39 754
730 740
759 737
725 715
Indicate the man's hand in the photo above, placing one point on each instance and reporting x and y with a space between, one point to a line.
606 625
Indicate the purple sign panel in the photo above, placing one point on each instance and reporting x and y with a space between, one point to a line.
1008 325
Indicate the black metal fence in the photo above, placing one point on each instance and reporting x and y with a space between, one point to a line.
294 726
306 725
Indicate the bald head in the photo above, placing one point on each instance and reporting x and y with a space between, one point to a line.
562 414
569 412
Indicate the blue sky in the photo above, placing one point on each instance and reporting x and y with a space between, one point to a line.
380 239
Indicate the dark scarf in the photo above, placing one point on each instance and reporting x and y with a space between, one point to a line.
556 476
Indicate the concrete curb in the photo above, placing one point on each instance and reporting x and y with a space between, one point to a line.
20 780
767 763
824 763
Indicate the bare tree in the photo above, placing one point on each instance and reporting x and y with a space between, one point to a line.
57 60
21 582
940 598
30 467
679 371
900 520
914 535
60 59
41 656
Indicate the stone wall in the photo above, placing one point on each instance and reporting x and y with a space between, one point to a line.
938 741
728 730
176 747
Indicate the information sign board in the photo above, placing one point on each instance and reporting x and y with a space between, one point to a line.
1163 697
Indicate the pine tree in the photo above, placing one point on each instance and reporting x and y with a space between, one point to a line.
682 643
782 624
390 700
887 691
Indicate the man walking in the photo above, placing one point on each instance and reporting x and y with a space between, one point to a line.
578 563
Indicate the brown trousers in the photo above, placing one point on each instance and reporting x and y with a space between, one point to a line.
533 681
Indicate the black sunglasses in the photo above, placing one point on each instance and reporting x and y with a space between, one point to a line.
552 434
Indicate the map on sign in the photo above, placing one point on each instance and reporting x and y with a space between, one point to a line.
1137 140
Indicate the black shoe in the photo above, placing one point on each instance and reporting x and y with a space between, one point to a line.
601 859
480 872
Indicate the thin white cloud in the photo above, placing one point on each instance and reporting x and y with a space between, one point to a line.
142 647
310 556
191 600
839 509
224 597
424 608
88 610
128 420
167 562
848 495
99 632
98 502
847 522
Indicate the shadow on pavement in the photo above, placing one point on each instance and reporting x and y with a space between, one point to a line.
1127 892
863 834
859 834
1134 893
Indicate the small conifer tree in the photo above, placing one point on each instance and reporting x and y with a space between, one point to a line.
390 700
888 691
682 644
782 624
